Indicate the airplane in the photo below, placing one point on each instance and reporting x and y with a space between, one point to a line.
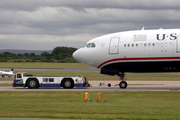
3 73
137 51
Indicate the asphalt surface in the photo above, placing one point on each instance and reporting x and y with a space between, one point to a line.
104 88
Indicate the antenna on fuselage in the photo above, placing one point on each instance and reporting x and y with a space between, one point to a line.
143 28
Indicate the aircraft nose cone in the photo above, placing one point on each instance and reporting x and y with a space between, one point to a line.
76 55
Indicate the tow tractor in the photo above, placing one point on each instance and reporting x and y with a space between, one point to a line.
21 79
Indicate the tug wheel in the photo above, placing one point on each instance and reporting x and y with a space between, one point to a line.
68 83
33 84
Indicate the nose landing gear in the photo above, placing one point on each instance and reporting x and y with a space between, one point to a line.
122 84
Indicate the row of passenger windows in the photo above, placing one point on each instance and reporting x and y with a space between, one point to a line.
90 45
146 44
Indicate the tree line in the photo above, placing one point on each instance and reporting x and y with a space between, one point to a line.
59 54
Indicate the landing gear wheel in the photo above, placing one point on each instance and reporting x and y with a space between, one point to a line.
33 84
68 84
123 84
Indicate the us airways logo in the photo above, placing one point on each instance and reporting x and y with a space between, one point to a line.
172 36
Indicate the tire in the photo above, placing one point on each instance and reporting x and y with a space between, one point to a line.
33 84
123 84
68 84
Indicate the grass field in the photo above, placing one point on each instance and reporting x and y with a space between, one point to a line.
71 105
42 65
144 105
96 76
90 74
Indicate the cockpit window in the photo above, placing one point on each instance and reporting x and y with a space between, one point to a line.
93 45
90 45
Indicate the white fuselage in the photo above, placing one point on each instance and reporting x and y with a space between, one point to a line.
125 50
3 73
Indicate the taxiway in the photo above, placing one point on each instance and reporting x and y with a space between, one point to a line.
104 88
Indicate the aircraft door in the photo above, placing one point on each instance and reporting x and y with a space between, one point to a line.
178 44
114 45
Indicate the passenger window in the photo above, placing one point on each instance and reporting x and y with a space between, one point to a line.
136 45
153 44
124 45
144 44
149 44
132 45
128 45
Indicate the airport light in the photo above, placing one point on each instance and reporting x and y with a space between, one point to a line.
86 96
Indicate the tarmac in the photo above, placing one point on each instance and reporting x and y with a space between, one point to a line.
103 86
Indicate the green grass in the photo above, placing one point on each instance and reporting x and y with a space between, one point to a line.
6 78
2 85
71 105
96 76
91 75
42 65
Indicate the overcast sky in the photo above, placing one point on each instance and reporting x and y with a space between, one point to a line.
46 24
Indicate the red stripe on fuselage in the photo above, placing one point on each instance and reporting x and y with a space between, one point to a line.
135 59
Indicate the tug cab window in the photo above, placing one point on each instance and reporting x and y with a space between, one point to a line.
19 75
90 45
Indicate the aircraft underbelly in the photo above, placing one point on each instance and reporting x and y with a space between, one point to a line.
147 66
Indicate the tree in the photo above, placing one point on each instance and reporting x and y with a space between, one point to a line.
63 50
59 54
45 55
63 54
8 55
26 54
32 55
